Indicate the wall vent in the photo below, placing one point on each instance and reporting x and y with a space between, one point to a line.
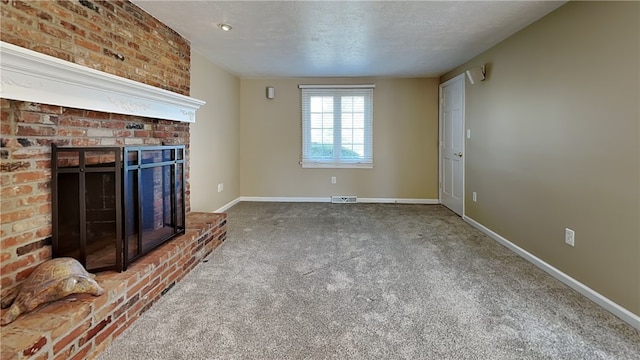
344 199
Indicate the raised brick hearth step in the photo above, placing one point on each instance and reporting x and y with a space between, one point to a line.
82 326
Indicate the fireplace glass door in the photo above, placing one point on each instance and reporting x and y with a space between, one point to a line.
154 200
87 209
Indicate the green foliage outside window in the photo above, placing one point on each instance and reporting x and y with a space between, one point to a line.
325 151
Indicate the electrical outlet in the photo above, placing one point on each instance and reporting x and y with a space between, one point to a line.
220 187
474 196
569 237
333 180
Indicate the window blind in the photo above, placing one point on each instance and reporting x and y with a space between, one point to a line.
337 125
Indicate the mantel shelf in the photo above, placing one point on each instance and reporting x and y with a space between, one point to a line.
28 75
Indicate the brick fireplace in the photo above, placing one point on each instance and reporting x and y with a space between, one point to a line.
116 38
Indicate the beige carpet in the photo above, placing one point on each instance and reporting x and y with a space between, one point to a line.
369 281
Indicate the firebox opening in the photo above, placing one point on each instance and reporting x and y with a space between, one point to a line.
108 212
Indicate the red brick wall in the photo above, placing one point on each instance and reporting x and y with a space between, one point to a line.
116 37
111 36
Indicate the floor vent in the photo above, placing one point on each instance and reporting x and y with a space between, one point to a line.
342 199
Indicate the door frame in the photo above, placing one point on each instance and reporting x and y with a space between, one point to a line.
461 78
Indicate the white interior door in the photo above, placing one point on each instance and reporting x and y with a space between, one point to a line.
452 144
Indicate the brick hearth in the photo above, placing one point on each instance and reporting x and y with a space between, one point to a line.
82 326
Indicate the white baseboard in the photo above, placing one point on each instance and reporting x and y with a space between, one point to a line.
285 199
226 206
328 199
617 310
398 201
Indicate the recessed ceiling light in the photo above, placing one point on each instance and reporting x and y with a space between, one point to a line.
225 27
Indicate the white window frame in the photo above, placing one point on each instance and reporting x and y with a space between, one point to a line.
307 91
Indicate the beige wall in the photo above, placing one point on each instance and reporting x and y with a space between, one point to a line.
215 136
555 144
405 134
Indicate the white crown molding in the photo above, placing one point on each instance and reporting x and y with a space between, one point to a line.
28 75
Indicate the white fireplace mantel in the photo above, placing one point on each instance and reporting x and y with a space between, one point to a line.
28 75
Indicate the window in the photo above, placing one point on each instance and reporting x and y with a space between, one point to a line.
337 126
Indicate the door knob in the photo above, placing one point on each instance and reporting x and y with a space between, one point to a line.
458 154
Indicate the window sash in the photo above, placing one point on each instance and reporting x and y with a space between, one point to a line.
337 123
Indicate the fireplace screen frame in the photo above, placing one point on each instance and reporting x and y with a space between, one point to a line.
129 172
134 166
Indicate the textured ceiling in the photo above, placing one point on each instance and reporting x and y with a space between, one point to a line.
345 38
